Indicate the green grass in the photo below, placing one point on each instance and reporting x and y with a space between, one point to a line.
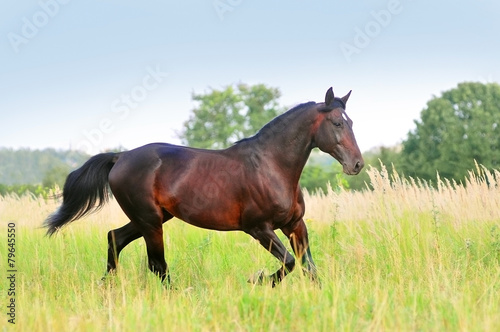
385 265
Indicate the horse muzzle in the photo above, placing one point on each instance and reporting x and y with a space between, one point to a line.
353 168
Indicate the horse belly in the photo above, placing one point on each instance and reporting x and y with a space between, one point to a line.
211 210
210 215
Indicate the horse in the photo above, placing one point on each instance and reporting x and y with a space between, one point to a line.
251 186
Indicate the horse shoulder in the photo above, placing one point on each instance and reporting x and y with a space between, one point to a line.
272 198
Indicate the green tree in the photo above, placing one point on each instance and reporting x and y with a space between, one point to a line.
315 177
454 130
26 166
222 117
56 176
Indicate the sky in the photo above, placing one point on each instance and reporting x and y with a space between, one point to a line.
97 75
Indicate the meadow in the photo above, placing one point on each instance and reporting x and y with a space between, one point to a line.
403 255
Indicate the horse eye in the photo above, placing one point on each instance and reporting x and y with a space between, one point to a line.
337 124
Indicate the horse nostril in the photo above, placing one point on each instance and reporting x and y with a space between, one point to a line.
359 165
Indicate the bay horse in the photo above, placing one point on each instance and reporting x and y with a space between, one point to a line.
252 186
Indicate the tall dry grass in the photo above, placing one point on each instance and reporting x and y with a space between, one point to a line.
391 197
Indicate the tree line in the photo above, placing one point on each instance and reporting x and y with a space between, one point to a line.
36 171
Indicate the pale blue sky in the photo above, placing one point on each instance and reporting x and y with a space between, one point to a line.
98 74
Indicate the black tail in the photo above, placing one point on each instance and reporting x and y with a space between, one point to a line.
84 188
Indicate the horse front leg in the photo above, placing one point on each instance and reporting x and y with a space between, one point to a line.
269 240
299 240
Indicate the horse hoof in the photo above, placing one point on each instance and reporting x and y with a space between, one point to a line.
257 278
168 286
104 281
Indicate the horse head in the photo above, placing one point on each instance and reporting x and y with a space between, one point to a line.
333 133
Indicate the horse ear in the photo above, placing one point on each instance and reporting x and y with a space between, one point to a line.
346 97
329 97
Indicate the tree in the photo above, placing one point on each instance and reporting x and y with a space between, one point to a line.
455 130
56 176
25 166
225 116
320 170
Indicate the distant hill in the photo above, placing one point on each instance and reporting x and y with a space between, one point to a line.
26 166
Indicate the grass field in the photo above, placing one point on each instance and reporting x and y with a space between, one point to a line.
401 257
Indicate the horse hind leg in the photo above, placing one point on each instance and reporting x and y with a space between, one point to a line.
155 247
156 254
117 240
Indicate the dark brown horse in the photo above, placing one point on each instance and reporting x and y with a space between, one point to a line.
251 186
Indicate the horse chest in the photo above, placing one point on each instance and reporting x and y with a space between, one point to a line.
278 206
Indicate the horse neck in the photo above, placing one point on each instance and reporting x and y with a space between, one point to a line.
289 140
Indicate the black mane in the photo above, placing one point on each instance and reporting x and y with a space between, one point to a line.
291 113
